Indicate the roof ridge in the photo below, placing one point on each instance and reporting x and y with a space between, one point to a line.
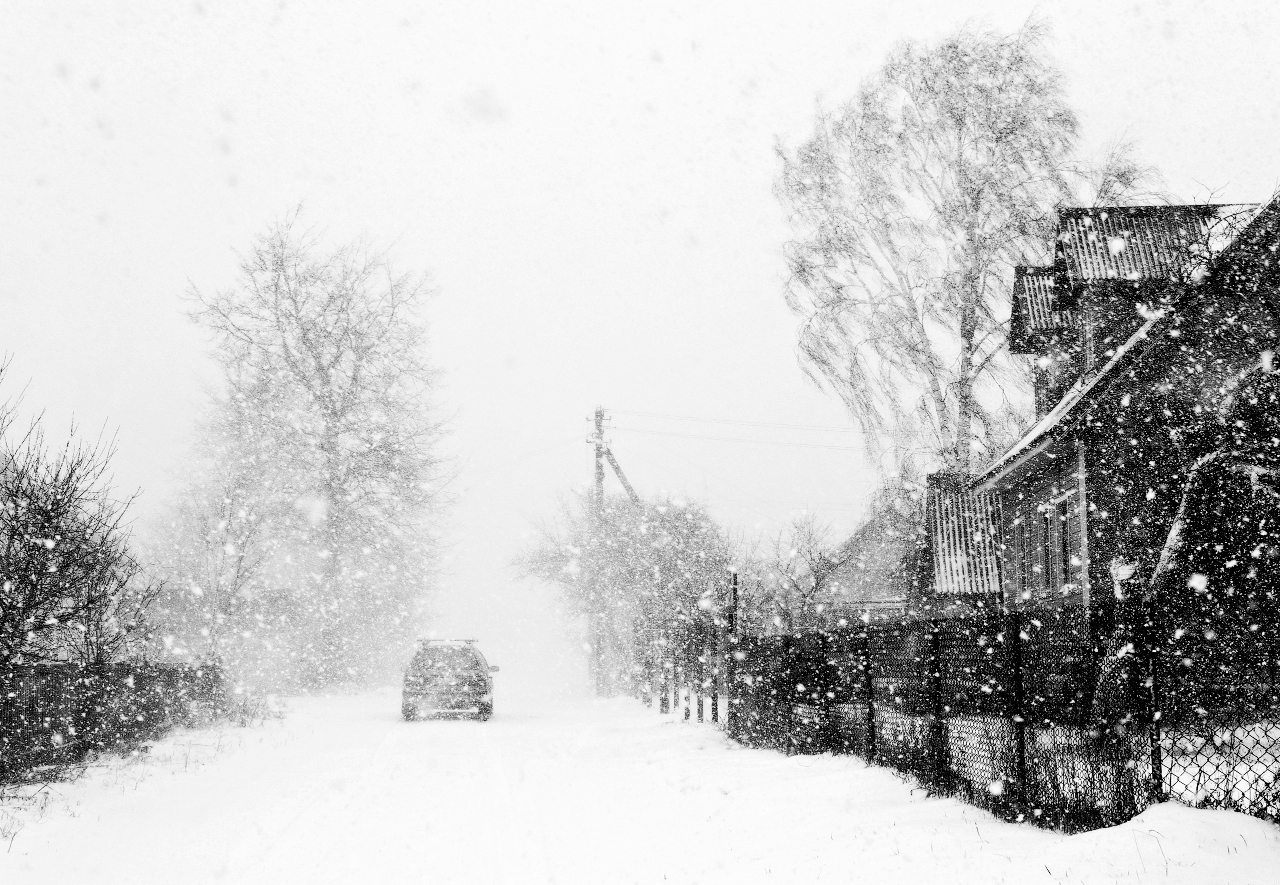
1070 399
1152 208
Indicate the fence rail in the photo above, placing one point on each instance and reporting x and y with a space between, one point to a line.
58 714
1000 709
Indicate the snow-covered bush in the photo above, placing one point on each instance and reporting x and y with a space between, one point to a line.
647 579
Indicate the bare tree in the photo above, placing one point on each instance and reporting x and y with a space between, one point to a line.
910 206
328 397
115 623
1119 178
797 568
213 550
70 585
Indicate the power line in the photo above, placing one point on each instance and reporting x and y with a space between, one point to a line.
817 508
770 509
741 423
732 485
760 442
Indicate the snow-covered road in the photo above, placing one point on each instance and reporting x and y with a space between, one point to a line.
576 792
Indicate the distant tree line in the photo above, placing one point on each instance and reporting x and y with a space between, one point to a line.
644 578
640 577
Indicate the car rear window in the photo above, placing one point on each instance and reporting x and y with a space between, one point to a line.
445 657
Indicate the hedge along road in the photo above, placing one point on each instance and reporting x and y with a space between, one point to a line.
342 790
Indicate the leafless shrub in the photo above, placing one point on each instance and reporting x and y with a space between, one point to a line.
70 585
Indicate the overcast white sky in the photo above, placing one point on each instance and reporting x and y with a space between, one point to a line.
589 185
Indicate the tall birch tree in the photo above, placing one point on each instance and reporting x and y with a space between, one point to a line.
909 207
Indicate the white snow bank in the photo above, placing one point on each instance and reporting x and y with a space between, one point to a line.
585 792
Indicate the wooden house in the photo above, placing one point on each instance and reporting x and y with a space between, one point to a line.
1141 332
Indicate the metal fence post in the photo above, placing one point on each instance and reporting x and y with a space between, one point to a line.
777 701
1154 713
868 673
685 688
1272 653
664 701
828 734
1017 716
733 693
676 676
939 754
701 679
731 662
717 666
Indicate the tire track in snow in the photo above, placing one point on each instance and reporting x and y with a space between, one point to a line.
422 805
518 818
300 817
426 814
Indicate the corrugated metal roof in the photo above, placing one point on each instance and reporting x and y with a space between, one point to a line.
1033 287
1035 290
964 527
1143 242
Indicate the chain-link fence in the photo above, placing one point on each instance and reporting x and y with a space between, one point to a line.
1000 709
1215 684
57 714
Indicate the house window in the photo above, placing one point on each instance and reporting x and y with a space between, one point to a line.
1065 533
1048 521
1024 559
1066 542
1022 551
1046 547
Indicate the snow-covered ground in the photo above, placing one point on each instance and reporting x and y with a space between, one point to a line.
576 791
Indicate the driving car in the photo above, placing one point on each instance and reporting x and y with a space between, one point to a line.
447 677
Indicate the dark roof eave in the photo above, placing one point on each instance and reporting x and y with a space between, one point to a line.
1044 429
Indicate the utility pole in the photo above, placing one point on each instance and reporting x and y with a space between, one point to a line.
596 617
733 607
622 477
730 663
599 441
596 624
